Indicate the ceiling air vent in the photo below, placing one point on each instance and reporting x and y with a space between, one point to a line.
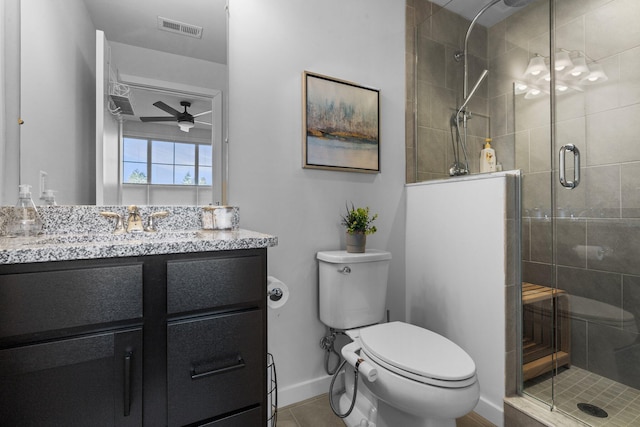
179 27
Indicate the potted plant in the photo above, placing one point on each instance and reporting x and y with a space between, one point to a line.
358 225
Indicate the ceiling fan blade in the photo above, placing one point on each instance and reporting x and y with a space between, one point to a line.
161 105
158 119
201 114
204 123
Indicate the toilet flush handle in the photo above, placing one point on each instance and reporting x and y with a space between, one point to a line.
345 270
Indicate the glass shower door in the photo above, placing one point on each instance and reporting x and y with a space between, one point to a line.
529 30
596 208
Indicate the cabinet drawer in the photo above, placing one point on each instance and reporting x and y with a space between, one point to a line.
46 301
214 282
215 365
252 417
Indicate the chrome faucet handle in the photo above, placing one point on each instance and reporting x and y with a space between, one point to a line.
151 225
119 224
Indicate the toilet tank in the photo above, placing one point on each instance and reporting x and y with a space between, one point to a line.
352 287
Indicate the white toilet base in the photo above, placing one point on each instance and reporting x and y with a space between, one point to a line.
369 411
365 414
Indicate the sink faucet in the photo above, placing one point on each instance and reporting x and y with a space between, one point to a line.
134 222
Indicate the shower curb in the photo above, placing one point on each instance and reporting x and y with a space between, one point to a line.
538 415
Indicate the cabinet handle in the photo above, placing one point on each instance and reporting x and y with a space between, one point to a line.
197 375
127 383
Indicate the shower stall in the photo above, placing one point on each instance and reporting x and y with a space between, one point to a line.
555 86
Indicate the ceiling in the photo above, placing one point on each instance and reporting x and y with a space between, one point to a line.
135 22
470 8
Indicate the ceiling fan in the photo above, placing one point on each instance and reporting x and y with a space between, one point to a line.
185 119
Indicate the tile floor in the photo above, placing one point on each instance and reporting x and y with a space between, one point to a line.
576 385
316 412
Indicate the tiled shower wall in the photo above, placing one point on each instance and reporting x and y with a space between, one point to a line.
598 226
437 35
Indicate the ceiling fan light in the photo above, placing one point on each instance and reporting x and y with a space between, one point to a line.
185 125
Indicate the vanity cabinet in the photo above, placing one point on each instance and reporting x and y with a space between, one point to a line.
162 340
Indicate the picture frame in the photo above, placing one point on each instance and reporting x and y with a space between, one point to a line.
341 125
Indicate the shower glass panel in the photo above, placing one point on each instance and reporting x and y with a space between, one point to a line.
581 238
528 66
597 224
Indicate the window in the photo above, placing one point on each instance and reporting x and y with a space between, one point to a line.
153 161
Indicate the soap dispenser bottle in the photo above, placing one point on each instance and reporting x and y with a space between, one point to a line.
26 220
487 157
49 198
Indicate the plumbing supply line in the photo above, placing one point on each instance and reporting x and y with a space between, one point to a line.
355 392
350 354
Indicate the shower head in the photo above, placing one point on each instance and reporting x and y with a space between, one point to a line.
517 3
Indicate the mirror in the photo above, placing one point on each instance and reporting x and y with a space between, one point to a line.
160 50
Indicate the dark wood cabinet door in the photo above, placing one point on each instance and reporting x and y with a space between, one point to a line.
93 380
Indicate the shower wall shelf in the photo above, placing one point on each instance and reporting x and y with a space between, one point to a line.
542 331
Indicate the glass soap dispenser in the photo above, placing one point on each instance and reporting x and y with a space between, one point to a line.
26 220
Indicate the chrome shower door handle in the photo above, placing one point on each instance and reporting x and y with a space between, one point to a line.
576 166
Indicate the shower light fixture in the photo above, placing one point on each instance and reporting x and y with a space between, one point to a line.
520 87
534 92
579 67
536 66
563 60
596 75
572 69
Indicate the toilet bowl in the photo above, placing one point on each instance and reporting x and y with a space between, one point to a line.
422 378
406 375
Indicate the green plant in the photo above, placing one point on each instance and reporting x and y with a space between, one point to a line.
359 220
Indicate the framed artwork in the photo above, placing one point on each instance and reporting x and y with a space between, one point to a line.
340 125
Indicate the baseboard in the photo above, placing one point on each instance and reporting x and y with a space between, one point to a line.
302 391
491 412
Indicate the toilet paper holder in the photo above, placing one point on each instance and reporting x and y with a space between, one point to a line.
275 294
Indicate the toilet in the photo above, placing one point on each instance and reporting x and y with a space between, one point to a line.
407 376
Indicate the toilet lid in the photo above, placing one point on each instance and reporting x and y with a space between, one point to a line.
418 353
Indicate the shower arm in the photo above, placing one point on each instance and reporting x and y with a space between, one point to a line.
468 98
465 83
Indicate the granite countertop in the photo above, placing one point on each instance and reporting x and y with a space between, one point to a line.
81 232
64 247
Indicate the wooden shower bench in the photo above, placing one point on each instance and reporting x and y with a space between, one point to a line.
541 329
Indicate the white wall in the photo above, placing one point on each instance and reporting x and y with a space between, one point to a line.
10 101
271 44
456 273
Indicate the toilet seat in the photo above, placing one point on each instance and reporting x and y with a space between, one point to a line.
418 354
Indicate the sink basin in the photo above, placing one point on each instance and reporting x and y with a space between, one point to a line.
112 238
